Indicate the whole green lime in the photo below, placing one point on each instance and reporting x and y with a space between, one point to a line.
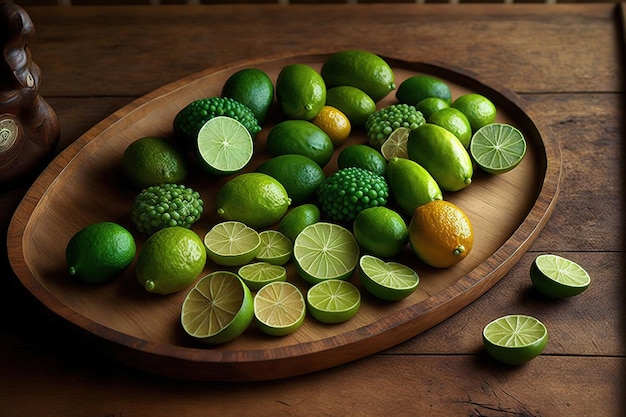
411 185
418 87
297 219
430 105
352 102
381 231
362 156
253 198
100 252
170 260
300 175
479 110
153 161
454 121
300 137
251 87
300 91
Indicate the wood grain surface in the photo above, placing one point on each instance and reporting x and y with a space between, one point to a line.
565 61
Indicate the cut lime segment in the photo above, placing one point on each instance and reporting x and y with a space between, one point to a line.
258 274
325 251
279 308
224 145
276 248
218 308
498 147
558 277
396 144
390 281
515 339
333 301
232 243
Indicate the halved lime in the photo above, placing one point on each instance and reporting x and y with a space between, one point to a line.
333 301
218 308
390 281
498 147
325 251
515 339
558 277
396 144
279 308
232 243
258 274
276 248
224 145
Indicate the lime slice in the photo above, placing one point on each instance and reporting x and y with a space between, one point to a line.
333 301
515 339
276 248
395 145
497 147
557 277
224 145
388 281
218 308
325 251
232 243
258 274
279 308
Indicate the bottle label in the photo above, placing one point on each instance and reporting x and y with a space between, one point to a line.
9 130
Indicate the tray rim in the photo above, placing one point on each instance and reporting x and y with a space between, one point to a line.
182 360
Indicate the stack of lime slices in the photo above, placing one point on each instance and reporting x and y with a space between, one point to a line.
515 339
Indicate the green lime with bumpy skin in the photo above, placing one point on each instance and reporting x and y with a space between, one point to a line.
300 91
253 88
383 122
299 174
300 137
153 161
362 156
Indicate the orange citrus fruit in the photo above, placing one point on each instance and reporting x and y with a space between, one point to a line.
334 122
440 233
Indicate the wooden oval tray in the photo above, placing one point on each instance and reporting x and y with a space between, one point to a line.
83 185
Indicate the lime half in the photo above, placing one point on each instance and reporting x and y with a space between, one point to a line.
497 147
515 339
325 251
232 243
390 281
279 308
276 248
396 144
558 277
224 145
218 308
258 274
333 301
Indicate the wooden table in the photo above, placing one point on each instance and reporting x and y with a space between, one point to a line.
566 61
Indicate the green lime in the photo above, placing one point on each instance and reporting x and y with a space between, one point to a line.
300 137
153 161
253 198
411 185
454 121
430 105
498 147
396 144
170 260
276 248
333 301
279 308
515 339
299 174
253 88
440 152
325 251
381 232
258 274
352 102
418 87
362 156
389 281
224 146
232 243
361 69
100 252
297 219
478 109
218 308
558 277
300 91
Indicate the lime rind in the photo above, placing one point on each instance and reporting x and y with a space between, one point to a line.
389 281
276 248
515 339
232 243
558 277
224 144
258 274
498 147
279 309
333 301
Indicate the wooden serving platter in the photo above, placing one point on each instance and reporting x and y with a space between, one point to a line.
84 185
